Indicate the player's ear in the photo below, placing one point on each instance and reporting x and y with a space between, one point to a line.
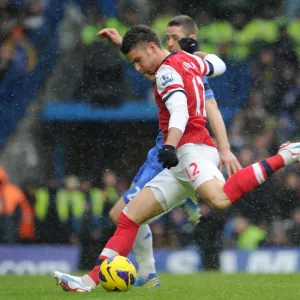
193 36
152 46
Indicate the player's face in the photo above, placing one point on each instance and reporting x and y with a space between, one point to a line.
173 35
144 59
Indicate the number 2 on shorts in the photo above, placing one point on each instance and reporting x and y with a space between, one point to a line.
192 171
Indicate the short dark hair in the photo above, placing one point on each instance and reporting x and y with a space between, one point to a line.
137 35
187 23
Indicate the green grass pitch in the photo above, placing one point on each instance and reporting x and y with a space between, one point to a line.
201 286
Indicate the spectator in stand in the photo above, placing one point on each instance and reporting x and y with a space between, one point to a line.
265 75
29 189
110 187
286 79
158 229
70 209
16 215
249 236
46 212
277 234
179 231
247 156
254 115
286 126
91 228
6 60
34 21
239 50
291 99
285 48
286 197
293 29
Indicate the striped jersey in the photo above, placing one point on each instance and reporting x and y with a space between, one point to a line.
182 72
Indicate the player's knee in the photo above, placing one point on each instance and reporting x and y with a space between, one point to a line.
219 202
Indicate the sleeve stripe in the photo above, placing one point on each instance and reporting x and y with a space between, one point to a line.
170 88
173 92
211 68
209 95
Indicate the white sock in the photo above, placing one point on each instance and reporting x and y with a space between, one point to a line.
87 280
143 250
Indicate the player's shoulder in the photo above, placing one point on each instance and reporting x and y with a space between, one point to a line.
184 60
177 58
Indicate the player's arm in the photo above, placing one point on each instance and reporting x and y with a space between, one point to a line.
218 128
210 64
170 87
179 115
200 54
112 35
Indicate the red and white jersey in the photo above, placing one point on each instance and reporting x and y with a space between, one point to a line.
184 72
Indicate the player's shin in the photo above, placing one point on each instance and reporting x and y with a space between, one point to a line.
247 179
143 250
119 244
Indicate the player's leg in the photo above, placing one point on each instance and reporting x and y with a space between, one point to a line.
119 244
143 245
160 194
220 195
142 248
192 209
150 202
133 190
116 210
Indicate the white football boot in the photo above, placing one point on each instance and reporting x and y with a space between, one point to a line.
71 283
292 148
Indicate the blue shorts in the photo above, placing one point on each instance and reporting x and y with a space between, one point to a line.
147 171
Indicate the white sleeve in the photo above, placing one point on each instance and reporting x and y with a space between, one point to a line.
218 65
178 109
168 81
211 65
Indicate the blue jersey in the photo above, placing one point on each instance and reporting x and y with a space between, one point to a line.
152 166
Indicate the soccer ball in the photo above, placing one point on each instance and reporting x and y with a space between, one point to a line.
117 273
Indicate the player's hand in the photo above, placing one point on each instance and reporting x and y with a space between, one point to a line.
188 45
111 34
168 157
231 163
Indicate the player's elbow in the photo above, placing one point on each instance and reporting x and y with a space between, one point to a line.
179 119
211 104
221 67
